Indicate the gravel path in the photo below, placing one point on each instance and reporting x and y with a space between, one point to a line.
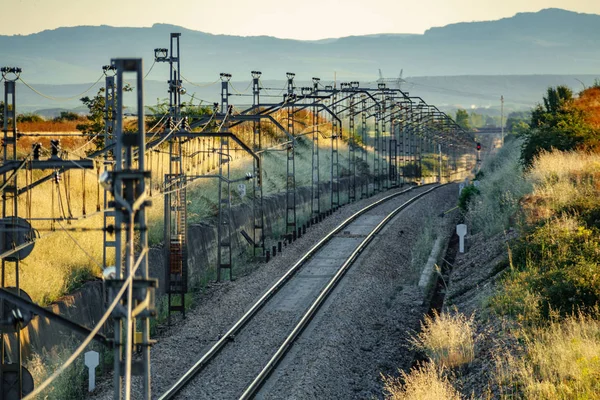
181 345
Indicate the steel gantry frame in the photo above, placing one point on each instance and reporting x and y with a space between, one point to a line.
175 236
18 236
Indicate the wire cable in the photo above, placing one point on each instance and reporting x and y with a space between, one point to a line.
197 85
99 264
92 334
150 70
53 98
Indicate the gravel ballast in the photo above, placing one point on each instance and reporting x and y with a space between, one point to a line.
377 308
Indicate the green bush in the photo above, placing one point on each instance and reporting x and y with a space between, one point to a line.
466 196
493 209
559 262
29 117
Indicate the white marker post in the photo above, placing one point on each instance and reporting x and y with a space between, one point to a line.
91 361
461 231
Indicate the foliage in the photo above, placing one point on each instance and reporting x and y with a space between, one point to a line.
96 112
560 361
188 109
29 117
447 339
466 196
556 266
558 124
477 120
517 122
68 116
462 119
424 382
494 208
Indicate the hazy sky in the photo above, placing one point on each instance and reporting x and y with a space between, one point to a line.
299 19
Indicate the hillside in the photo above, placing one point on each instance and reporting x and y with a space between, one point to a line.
528 43
448 92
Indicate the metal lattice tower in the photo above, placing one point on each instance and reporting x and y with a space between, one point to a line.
352 146
384 139
224 253
109 140
175 198
127 184
290 209
257 201
393 164
364 193
315 204
10 211
376 170
335 164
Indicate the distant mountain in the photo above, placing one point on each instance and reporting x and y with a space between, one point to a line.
551 41
447 92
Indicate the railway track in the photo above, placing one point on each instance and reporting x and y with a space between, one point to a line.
288 306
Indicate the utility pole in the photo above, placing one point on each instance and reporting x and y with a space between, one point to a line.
127 185
502 117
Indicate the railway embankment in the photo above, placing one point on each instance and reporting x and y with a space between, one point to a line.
520 314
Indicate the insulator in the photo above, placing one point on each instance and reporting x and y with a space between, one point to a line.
55 147
57 177
37 149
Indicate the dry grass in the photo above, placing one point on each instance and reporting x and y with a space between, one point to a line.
560 180
561 361
426 382
447 339
50 126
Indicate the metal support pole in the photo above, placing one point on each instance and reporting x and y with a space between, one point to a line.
335 164
376 166
224 253
315 205
127 184
363 126
351 152
10 210
257 201
290 214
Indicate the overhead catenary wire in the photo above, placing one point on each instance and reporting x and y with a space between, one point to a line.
198 85
93 333
54 98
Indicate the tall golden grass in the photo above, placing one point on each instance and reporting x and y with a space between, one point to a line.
559 361
425 382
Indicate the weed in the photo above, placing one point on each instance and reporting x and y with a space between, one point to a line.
425 382
447 339
560 361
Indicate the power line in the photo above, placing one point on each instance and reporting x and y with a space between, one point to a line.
53 98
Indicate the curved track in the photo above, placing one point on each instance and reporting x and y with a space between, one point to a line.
290 303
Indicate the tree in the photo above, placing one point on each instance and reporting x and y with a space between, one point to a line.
556 124
96 107
462 119
517 122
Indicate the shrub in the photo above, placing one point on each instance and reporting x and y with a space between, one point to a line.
447 339
491 211
560 361
466 196
426 382
559 262
29 117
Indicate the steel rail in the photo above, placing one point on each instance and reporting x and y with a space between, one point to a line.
252 389
227 337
